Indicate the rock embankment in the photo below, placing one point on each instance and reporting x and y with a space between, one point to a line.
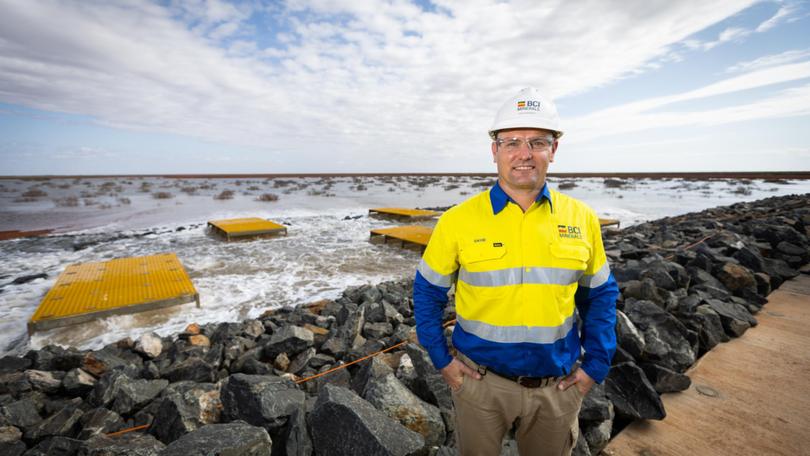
688 283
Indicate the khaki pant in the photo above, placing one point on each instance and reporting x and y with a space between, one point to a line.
486 409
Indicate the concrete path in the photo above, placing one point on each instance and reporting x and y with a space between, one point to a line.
750 396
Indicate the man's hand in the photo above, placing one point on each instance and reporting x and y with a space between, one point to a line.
454 373
578 379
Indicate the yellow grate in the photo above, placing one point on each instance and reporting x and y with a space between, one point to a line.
409 236
608 222
246 227
403 212
87 291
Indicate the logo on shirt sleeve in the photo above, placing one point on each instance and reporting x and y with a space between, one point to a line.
569 232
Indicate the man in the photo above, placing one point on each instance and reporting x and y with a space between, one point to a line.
525 261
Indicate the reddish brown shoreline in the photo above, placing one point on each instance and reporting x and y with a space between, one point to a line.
14 234
667 175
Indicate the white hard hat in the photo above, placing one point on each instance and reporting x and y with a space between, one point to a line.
527 109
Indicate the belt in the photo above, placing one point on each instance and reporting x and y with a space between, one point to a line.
526 382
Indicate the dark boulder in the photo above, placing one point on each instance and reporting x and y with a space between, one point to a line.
237 438
631 393
665 380
130 444
184 407
63 423
260 400
14 364
55 446
291 340
23 413
345 424
596 407
667 341
737 278
99 421
78 382
191 369
735 318
123 395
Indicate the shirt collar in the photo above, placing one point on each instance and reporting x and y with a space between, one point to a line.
499 198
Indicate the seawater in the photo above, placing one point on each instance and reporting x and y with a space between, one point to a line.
327 248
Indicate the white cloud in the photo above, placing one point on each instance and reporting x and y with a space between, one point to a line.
769 61
784 12
342 79
652 113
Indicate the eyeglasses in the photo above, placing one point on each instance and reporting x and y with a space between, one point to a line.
515 144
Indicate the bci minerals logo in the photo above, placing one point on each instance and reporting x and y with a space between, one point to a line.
528 105
569 232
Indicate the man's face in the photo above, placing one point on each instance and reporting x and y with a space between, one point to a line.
523 169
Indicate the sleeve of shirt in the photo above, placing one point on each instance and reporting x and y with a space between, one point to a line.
596 302
434 276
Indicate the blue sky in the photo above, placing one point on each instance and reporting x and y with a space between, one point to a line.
208 86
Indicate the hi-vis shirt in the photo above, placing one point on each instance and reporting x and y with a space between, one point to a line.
520 279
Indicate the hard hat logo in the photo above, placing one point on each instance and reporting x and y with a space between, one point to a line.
528 105
528 109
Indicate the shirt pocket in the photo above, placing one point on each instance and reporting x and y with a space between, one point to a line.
570 256
478 254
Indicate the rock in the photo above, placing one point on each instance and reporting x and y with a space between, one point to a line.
185 407
665 380
253 328
78 382
709 327
14 364
631 393
9 434
193 369
124 395
193 329
737 278
260 400
581 448
431 387
282 362
596 407
14 383
12 448
667 341
291 340
99 421
149 345
64 423
763 283
55 446
237 438
22 414
405 371
129 444
199 340
29 278
373 368
296 437
658 273
750 258
377 330
348 425
385 392
735 318
628 336
43 381
597 435
99 362
643 290
300 362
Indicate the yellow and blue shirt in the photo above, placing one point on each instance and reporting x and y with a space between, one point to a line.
520 280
